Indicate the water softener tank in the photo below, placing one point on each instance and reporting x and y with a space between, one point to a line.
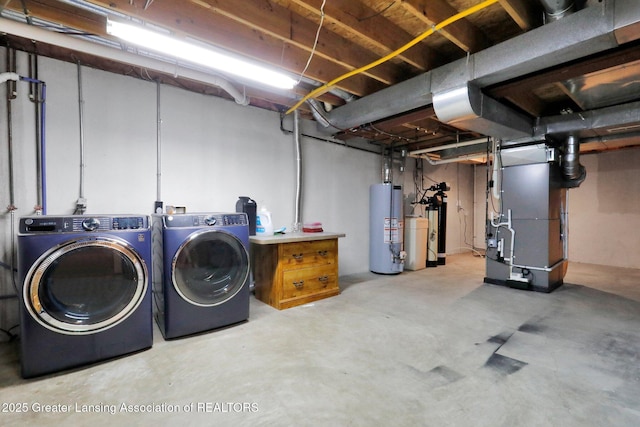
415 242
386 229
432 236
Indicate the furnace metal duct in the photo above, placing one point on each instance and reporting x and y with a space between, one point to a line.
557 9
468 108
571 160
573 172
594 29
316 109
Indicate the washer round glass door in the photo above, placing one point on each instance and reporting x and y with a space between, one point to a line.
210 267
85 286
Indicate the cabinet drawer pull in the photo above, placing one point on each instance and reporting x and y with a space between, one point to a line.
323 279
322 253
299 284
297 257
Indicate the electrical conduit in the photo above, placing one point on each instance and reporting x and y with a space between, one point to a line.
297 221
34 96
5 77
43 115
81 204
496 168
158 204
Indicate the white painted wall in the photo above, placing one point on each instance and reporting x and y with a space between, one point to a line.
604 215
460 213
336 184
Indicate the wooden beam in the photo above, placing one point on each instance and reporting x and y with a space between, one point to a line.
61 13
462 33
525 13
286 25
200 23
424 113
376 31
528 102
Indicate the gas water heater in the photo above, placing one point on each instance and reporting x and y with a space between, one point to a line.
386 229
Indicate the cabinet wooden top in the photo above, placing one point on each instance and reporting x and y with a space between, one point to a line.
294 237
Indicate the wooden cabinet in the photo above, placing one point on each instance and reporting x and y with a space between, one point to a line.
291 270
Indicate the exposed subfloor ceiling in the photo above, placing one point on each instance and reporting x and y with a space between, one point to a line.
513 69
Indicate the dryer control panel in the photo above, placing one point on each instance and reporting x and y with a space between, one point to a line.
62 224
206 219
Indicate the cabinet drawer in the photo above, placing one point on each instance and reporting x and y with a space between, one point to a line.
307 254
308 281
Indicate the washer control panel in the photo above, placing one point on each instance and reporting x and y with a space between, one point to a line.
62 224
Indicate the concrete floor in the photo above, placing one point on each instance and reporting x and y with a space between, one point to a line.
429 348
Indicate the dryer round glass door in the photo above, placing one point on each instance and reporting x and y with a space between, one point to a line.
85 286
210 267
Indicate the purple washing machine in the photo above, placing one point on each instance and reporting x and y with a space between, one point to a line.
86 290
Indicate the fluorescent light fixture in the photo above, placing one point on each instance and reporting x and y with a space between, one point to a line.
198 55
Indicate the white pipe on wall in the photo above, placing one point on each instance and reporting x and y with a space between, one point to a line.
66 41
297 221
81 204
496 167
9 76
158 151
455 159
446 147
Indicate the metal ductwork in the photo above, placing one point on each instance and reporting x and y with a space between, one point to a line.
572 171
601 26
557 9
466 107
396 99
607 121
316 109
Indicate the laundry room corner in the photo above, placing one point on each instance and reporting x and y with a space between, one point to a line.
103 135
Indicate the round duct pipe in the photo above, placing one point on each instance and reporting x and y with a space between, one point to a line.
557 9
573 172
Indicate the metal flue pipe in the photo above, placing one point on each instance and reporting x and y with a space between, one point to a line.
573 172
557 9
571 161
